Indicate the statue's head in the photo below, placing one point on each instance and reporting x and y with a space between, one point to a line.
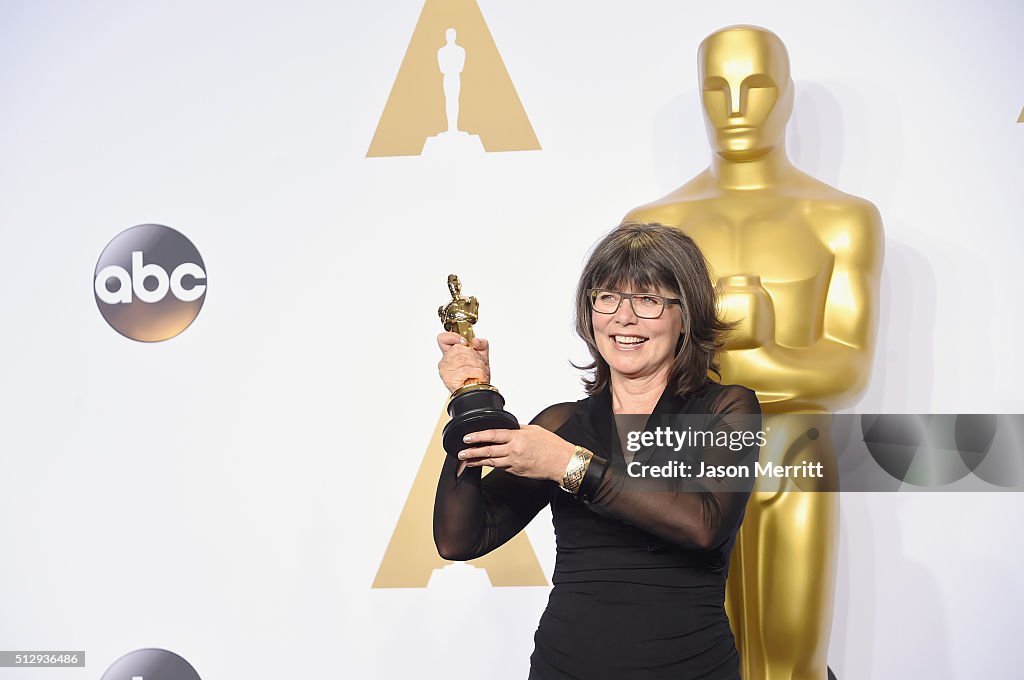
746 91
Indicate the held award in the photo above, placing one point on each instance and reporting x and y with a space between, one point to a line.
476 405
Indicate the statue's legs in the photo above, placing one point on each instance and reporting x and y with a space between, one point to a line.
452 90
782 576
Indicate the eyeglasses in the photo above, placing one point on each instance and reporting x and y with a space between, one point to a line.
645 305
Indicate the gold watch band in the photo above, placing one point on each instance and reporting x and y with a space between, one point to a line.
576 469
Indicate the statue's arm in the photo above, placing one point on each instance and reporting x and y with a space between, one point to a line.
834 370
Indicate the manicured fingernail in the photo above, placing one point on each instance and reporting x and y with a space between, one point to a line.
463 340
468 438
462 455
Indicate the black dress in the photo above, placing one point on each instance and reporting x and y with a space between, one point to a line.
639 580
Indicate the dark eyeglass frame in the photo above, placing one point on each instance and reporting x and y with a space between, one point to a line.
665 301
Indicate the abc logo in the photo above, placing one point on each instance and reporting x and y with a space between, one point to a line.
150 283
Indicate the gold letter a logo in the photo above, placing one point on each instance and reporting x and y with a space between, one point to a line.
452 87
411 556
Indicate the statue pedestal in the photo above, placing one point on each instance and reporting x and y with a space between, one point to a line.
458 576
452 143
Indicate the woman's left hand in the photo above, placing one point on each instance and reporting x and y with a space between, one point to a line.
528 452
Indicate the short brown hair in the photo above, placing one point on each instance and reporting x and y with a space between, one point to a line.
647 256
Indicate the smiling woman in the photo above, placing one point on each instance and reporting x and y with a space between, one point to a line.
654 259
637 328
639 581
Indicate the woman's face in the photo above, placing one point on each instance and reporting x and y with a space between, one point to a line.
635 347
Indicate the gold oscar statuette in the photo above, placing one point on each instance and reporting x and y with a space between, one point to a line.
475 406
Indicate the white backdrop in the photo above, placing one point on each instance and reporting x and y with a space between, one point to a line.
228 494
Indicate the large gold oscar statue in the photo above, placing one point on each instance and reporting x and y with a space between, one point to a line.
799 265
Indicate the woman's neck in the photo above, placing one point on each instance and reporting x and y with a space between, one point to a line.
637 395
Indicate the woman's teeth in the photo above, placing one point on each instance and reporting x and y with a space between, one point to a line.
629 339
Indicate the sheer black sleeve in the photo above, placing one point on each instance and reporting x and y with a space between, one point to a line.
473 515
696 514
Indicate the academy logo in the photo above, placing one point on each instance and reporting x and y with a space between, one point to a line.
150 283
411 560
452 90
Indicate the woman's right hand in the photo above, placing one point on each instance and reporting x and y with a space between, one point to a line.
460 362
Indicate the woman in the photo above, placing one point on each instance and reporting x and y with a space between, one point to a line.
639 580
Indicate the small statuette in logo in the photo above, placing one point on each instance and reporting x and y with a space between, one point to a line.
452 94
151 664
150 283
451 59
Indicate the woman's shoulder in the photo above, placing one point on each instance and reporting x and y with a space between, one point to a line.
556 415
721 398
